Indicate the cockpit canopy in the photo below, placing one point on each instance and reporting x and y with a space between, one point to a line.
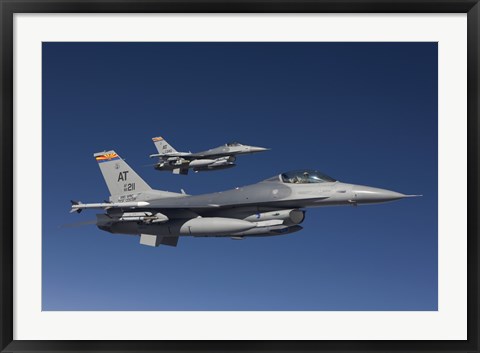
234 143
306 176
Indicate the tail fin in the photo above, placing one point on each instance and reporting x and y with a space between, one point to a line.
163 146
120 178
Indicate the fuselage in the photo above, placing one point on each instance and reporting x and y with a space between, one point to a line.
276 193
271 207
222 157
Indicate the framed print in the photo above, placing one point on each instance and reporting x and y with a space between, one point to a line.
223 133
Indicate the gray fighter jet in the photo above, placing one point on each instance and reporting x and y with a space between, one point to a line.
221 157
274 206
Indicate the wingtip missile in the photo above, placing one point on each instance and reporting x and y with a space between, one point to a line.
75 209
78 206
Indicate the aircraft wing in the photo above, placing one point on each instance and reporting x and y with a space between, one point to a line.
207 155
189 156
213 153
201 205
172 154
181 204
79 206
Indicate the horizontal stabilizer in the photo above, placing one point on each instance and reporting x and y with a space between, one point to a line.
182 171
156 240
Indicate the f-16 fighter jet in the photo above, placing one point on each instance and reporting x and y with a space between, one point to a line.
271 207
221 157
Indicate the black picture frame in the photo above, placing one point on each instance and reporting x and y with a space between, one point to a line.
9 7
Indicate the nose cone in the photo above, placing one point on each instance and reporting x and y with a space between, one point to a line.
254 149
367 194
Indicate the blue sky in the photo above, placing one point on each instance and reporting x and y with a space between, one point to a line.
364 113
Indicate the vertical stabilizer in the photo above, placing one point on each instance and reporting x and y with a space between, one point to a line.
163 146
119 177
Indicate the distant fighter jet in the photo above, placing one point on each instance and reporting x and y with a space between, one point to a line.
221 157
271 207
